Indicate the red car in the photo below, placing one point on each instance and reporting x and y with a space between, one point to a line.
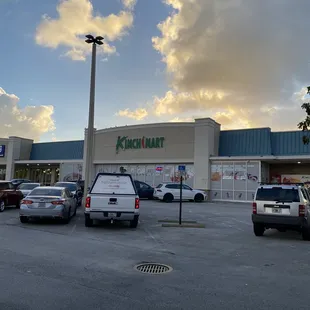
9 195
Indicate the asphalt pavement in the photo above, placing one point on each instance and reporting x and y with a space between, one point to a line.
49 265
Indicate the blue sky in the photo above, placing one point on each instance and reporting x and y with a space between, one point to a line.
39 76
243 63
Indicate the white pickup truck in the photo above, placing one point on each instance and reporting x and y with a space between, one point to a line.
112 197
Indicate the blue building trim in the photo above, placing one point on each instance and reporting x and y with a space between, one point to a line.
262 142
63 150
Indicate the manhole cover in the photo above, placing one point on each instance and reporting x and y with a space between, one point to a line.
153 268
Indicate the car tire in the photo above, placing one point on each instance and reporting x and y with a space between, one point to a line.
134 222
68 218
17 205
2 205
74 214
198 198
88 222
168 198
305 233
259 230
24 219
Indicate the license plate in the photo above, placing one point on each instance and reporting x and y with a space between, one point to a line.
276 210
112 214
41 205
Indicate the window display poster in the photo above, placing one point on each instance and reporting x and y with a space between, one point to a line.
240 176
253 175
228 171
295 178
216 176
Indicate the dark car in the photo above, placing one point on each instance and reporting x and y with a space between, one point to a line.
9 195
17 182
144 190
74 188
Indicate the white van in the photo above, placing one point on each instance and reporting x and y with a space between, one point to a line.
283 207
112 197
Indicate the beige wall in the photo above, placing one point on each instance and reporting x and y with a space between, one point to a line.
178 144
25 149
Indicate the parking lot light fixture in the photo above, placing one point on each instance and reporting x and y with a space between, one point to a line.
90 39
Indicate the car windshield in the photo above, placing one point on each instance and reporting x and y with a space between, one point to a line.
159 186
28 186
46 192
277 194
70 186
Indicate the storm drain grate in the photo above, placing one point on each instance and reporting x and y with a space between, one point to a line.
153 268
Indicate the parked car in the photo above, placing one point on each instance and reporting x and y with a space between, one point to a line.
144 190
168 192
17 182
48 202
9 195
112 197
26 188
74 188
283 207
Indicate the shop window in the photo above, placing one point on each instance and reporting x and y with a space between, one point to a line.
216 176
252 175
240 177
228 176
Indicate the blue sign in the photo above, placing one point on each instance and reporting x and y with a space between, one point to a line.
2 150
182 168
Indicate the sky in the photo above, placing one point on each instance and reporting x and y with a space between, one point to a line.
244 63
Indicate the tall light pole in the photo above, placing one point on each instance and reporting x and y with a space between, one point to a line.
91 114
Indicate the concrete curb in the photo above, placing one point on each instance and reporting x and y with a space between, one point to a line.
175 221
197 225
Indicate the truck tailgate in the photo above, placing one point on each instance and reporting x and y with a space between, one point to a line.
110 203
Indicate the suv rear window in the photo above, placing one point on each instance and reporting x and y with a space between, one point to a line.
278 194
113 184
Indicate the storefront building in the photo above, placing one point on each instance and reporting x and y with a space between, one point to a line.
229 164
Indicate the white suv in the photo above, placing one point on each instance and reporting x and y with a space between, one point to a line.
283 207
168 192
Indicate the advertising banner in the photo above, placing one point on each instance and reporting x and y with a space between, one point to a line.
295 178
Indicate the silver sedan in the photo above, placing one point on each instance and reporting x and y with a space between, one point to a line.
48 202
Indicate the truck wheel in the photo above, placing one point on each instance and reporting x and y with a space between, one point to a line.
168 198
88 222
198 198
134 222
2 205
259 230
23 219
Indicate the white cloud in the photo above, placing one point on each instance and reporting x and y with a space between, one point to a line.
28 122
234 60
76 19
138 114
130 4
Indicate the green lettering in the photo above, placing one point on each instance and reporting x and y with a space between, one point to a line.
157 143
138 145
130 143
153 142
162 139
119 143
134 143
148 143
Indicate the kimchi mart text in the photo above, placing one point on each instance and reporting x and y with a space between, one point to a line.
124 143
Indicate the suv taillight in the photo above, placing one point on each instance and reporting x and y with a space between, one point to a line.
302 210
137 203
254 205
87 203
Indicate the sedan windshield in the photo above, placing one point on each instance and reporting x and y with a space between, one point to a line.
28 186
70 186
46 192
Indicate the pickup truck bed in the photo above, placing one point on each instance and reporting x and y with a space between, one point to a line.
112 197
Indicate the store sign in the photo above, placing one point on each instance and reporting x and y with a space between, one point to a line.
2 150
124 143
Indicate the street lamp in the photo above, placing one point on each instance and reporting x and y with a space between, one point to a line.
91 114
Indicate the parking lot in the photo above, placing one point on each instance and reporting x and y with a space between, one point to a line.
50 265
